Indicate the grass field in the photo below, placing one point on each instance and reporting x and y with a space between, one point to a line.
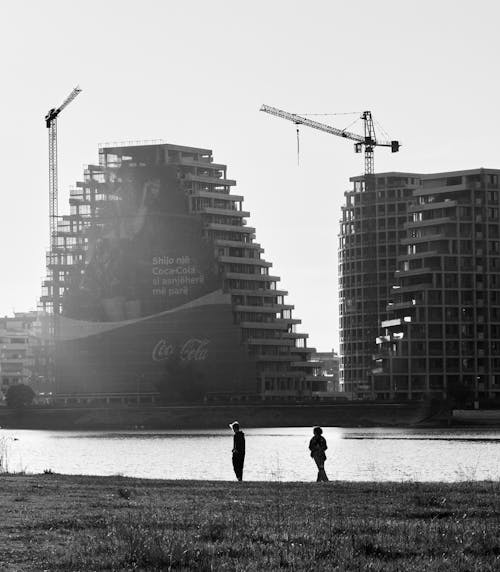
69 523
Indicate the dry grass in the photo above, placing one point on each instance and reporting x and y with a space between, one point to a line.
54 522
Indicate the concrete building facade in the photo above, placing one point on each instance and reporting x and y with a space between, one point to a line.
441 334
329 363
156 257
18 350
371 230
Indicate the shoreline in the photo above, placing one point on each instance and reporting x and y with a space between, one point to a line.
211 416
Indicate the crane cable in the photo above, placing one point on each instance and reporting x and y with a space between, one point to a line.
298 132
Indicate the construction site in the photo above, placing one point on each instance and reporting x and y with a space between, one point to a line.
155 275
157 289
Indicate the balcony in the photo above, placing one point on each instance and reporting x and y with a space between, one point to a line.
222 212
392 306
268 292
238 244
295 336
263 325
268 342
411 288
446 204
230 227
413 272
427 238
438 189
273 358
210 180
307 365
258 277
429 222
217 195
302 350
245 260
270 309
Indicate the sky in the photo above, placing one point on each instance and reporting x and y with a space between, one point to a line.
196 73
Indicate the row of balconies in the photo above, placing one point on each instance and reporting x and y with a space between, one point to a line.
209 180
230 227
277 323
244 260
238 244
271 309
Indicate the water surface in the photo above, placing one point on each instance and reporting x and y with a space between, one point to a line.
272 454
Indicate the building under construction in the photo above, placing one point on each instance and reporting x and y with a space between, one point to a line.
420 286
371 230
155 278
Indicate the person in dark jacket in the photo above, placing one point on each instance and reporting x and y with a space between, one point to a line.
318 446
238 450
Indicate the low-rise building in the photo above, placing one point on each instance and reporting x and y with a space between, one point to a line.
17 355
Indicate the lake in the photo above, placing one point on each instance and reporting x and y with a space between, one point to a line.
372 454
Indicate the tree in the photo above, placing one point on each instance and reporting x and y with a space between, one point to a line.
19 396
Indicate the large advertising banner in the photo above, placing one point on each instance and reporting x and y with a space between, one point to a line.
146 252
147 307
183 354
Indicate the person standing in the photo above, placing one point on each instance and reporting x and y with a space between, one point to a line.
318 446
238 450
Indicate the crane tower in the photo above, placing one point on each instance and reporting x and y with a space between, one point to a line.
368 141
51 124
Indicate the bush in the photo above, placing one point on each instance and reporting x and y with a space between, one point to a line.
19 396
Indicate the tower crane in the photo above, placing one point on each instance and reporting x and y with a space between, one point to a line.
51 124
368 141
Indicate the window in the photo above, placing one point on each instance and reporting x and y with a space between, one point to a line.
435 314
435 348
451 313
435 330
450 280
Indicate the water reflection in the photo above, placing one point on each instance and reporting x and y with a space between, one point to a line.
272 454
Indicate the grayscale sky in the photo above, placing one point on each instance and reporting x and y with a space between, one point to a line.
196 72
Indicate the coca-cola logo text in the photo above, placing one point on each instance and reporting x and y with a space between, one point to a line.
194 349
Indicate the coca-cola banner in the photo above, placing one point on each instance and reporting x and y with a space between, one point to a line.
146 253
194 349
197 344
145 311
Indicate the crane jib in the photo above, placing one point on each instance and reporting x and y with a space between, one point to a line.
297 119
368 140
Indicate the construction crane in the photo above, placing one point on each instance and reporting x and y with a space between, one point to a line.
368 141
51 124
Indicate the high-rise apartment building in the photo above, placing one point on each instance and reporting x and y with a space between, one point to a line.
156 260
441 335
371 231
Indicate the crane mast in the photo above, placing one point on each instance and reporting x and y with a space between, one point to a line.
51 124
367 141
